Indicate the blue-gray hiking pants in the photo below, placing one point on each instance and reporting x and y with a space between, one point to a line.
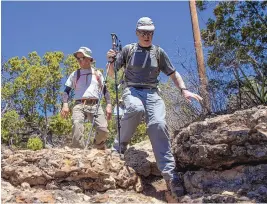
139 102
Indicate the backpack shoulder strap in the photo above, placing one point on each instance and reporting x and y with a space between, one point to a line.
97 74
132 48
78 75
130 53
157 47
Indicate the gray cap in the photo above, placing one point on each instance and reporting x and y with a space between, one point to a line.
85 50
145 23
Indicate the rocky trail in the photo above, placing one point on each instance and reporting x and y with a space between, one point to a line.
221 159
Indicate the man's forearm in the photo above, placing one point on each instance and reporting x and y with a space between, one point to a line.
65 97
106 95
110 66
178 81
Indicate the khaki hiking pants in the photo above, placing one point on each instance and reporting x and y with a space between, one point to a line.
79 113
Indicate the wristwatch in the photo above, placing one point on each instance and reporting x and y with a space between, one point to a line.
183 89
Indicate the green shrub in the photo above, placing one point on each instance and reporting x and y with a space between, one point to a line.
140 134
35 143
60 126
10 124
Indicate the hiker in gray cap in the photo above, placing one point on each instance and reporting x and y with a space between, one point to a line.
142 64
87 84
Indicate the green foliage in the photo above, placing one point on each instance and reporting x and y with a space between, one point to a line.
87 128
10 125
140 134
237 43
31 87
71 65
34 83
35 143
112 127
8 90
60 126
201 5
238 32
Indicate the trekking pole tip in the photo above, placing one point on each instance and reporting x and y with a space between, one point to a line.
121 156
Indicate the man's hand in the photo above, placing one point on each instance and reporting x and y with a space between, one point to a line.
65 110
111 54
109 111
187 94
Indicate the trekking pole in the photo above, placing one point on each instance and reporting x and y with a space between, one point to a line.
116 44
97 107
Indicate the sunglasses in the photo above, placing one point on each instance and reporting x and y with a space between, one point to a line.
80 58
144 33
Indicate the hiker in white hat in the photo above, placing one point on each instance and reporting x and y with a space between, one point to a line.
87 84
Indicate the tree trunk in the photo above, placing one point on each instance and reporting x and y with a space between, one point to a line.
206 104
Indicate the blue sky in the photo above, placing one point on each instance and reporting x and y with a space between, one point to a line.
65 26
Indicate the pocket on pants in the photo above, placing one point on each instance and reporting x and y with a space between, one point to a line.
126 92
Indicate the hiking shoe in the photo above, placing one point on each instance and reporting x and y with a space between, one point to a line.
48 146
176 188
101 146
114 152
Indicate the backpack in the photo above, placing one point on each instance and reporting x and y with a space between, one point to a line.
132 49
94 72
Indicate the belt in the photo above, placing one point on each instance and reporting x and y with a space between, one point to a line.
142 88
87 101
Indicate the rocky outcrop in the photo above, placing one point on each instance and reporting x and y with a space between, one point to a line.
242 183
141 158
71 194
90 169
69 176
222 159
224 141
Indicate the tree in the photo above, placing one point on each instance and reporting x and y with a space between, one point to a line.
32 88
237 43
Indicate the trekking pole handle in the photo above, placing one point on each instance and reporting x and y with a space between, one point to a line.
114 41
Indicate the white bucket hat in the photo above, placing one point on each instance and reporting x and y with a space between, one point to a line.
86 52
